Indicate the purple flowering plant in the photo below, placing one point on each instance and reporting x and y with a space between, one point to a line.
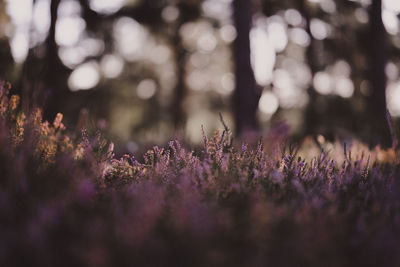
68 201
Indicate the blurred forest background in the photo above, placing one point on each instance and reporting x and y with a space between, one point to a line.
145 70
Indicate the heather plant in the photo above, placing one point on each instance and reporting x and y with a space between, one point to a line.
67 201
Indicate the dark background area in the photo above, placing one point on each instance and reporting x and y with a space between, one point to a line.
148 71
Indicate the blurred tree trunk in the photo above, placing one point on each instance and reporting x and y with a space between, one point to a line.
178 112
245 98
311 113
53 67
149 13
188 11
44 77
179 117
377 100
7 61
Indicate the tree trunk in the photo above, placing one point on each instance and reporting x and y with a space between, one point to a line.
53 65
311 119
187 12
245 99
178 112
380 129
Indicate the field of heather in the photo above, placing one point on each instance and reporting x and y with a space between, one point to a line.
199 133
66 200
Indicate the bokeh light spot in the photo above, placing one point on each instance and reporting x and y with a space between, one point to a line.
268 103
19 47
390 21
228 33
293 17
146 89
344 87
69 30
111 66
129 36
299 36
393 98
170 13
84 77
227 84
106 6
322 83
319 29
262 56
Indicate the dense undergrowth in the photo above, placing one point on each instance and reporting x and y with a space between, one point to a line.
67 201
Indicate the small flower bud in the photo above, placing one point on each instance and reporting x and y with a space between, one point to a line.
14 102
57 121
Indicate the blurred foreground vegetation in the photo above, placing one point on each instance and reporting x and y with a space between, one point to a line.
66 200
